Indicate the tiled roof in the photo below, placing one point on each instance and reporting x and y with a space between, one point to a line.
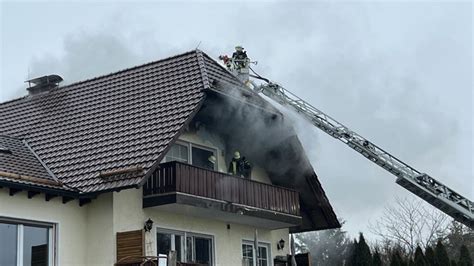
121 120
18 164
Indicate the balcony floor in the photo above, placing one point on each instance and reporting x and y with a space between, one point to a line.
182 203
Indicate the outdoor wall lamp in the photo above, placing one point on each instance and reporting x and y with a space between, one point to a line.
280 244
148 225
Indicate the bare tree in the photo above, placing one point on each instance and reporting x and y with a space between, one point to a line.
410 222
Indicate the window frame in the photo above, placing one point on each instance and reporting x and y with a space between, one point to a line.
263 244
189 145
52 236
182 144
184 235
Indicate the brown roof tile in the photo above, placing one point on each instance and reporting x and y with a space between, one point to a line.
19 164
120 120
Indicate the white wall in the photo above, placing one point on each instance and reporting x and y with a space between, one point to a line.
86 235
100 232
128 215
70 218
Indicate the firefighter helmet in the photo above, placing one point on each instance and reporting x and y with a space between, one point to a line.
236 155
212 159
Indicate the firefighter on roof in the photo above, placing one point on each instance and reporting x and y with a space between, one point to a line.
240 57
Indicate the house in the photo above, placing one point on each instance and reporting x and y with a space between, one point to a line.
83 167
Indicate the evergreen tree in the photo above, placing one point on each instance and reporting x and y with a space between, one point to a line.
429 256
419 259
376 259
453 263
366 257
354 258
441 256
464 258
361 255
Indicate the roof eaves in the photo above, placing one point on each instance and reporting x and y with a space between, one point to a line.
40 188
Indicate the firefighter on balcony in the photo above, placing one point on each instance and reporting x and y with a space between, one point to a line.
239 166
211 162
234 164
246 168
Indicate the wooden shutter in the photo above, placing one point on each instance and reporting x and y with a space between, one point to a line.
130 246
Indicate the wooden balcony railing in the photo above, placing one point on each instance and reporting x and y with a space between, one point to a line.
189 179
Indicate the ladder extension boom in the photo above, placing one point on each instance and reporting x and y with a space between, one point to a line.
421 184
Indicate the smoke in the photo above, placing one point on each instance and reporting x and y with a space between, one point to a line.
398 73
86 55
255 129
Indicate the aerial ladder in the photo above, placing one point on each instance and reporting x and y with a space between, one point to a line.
421 184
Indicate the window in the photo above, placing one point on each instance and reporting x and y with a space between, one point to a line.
178 152
25 244
189 247
262 254
199 155
8 242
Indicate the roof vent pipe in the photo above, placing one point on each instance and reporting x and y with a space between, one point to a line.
43 84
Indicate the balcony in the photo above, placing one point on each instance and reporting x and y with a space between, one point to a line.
191 190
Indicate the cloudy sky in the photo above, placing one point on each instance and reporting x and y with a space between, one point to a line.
398 73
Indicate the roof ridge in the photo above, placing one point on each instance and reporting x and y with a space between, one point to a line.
202 68
106 75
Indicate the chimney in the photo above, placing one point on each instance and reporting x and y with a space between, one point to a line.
43 84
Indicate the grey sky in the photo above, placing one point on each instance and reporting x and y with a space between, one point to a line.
398 73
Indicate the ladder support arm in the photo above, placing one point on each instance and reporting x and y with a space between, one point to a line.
419 183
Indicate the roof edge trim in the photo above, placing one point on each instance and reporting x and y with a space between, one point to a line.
202 68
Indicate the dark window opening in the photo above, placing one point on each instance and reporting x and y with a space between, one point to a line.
201 158
164 243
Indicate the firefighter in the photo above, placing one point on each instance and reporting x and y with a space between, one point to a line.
245 168
211 162
239 166
226 60
240 57
234 164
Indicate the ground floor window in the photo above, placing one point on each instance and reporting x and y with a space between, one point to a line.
25 243
262 253
189 247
